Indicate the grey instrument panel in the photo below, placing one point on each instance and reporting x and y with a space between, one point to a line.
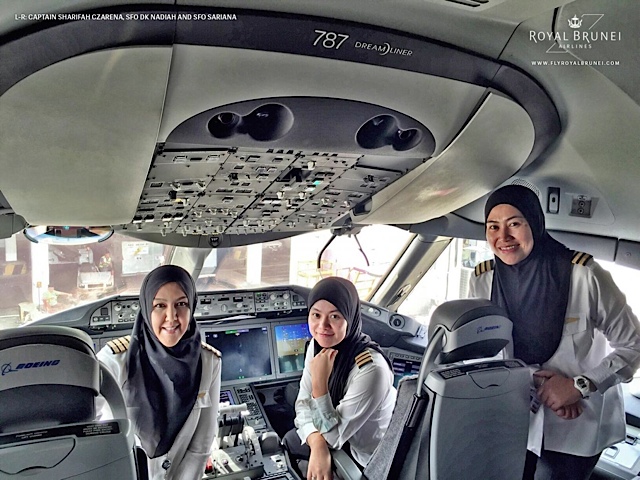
117 313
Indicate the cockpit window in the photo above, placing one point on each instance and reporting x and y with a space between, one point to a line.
447 279
627 280
38 279
364 260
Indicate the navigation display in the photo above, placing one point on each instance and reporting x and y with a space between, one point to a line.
290 344
245 353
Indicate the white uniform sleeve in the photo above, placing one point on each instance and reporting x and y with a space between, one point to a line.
480 286
304 418
613 316
109 360
369 388
366 391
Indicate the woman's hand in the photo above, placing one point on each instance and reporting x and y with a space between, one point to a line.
320 458
321 368
569 412
557 391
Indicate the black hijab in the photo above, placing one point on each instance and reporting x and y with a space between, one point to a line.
344 296
163 382
535 291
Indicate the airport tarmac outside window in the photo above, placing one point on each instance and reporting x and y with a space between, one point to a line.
38 280
294 260
447 279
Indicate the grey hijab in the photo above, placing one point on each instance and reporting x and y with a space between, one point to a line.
535 291
344 296
162 383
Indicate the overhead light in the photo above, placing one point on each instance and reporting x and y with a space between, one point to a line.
67 235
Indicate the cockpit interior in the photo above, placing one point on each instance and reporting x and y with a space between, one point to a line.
263 146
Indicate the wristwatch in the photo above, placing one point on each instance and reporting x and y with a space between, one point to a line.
583 385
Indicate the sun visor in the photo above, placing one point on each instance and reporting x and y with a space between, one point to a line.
493 145
76 145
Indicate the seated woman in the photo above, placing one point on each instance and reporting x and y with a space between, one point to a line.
346 392
170 379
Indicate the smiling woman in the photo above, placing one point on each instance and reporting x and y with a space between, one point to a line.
566 313
170 379
346 392
509 234
170 314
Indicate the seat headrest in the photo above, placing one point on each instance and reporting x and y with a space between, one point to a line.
47 334
50 376
473 328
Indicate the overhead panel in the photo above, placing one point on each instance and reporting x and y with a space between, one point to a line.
251 190
492 146
270 124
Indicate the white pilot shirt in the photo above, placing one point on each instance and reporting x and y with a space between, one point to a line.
192 446
601 340
362 416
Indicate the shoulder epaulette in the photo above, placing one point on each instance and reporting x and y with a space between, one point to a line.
119 345
484 267
581 258
216 352
363 358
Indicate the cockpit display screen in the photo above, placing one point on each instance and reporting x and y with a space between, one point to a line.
290 343
245 353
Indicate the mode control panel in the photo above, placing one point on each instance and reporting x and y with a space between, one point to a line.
273 301
239 303
216 304
114 314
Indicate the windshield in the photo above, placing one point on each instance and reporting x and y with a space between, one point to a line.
40 279
448 279
364 259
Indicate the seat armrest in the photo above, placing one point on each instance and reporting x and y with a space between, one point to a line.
346 468
110 390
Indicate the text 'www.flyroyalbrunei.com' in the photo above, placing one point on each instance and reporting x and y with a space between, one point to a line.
574 63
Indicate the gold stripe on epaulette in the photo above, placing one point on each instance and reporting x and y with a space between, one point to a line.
484 267
216 352
362 354
119 345
581 258
364 358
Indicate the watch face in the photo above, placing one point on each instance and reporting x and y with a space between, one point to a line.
582 384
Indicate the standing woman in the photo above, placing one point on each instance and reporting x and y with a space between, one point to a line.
169 377
570 319
346 393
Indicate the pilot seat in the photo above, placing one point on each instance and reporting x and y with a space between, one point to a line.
457 418
49 381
